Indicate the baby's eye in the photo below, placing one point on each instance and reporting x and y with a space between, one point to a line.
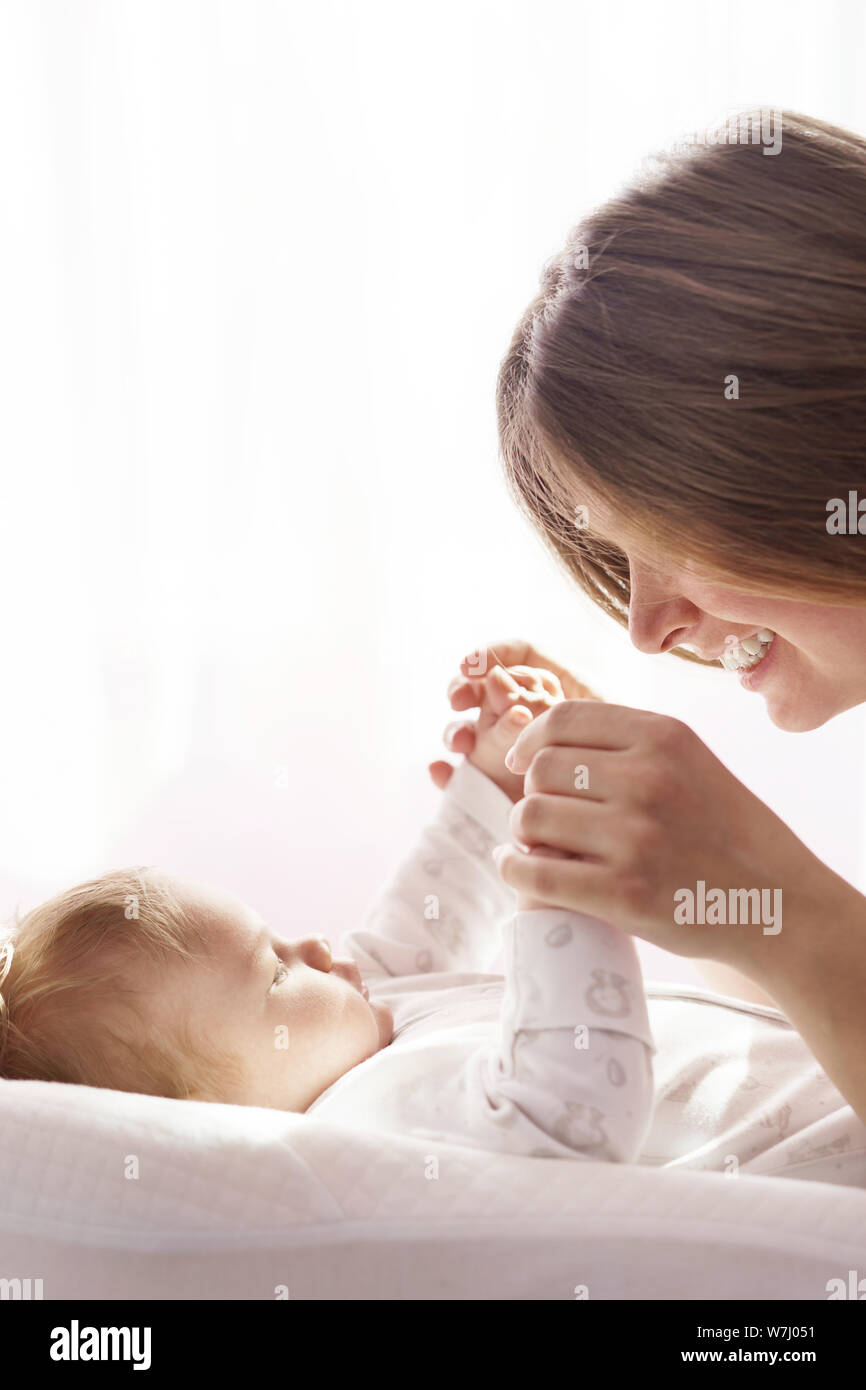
280 973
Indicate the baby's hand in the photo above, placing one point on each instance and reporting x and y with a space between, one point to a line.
508 698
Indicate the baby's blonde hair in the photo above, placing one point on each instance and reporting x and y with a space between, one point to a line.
72 999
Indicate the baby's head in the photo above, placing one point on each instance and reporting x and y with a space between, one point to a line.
140 981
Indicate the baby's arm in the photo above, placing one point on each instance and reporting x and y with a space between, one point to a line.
444 908
572 1072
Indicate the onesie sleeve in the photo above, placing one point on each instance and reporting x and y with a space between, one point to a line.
445 906
571 1074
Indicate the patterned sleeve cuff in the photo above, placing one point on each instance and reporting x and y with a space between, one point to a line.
482 800
566 969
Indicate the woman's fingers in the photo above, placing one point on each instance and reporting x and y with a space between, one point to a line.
587 723
571 771
571 883
564 822
528 904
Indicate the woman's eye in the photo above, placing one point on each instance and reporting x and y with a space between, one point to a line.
280 973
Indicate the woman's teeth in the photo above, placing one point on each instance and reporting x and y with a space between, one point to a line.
749 651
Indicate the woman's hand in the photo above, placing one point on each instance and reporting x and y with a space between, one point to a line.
466 692
653 815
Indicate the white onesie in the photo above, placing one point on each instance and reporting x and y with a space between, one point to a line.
554 1059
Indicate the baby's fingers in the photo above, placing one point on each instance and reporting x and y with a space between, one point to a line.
535 678
497 688
459 737
509 725
501 689
440 773
465 694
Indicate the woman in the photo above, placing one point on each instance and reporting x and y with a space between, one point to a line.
682 414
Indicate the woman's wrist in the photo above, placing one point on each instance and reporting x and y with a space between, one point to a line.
822 921
818 980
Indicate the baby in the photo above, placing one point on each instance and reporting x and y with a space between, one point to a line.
141 981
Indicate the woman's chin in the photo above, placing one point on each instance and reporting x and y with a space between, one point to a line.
798 718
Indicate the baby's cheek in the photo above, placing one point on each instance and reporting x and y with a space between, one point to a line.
349 1016
363 1026
383 1025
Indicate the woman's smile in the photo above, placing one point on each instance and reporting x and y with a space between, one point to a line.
754 677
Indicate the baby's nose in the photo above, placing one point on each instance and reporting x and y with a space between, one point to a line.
318 952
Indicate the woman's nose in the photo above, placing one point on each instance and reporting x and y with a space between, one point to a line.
658 618
658 627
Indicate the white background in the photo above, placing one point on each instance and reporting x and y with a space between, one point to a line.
260 262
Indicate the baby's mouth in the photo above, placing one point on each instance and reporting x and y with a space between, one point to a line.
749 651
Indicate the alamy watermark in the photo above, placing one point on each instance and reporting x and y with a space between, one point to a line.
720 907
846 519
760 127
77 1343
20 1289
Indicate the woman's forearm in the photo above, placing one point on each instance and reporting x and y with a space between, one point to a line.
815 971
724 980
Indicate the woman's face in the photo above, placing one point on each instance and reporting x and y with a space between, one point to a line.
815 667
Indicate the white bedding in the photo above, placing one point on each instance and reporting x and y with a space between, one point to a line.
112 1195
231 1202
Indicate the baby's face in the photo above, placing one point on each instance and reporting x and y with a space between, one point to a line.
297 1018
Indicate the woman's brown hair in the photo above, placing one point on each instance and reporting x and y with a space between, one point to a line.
696 359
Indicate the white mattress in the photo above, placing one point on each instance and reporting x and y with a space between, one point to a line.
233 1202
